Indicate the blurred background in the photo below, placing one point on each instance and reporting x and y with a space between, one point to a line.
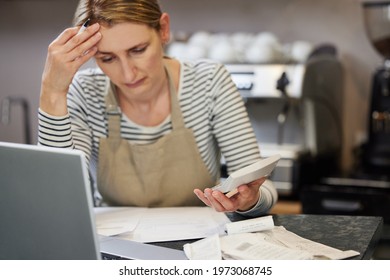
28 26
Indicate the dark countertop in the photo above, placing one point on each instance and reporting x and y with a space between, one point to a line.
359 233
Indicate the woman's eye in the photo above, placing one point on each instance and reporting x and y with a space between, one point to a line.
106 59
138 50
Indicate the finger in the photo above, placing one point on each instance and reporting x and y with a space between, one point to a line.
245 190
84 48
86 56
208 194
257 182
201 196
232 193
65 36
221 203
82 37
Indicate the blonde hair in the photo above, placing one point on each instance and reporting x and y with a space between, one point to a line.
110 12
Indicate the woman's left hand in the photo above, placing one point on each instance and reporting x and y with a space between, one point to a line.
245 198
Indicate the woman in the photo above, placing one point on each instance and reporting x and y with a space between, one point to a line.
152 127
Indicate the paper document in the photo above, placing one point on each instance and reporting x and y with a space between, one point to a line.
164 224
250 246
111 221
318 250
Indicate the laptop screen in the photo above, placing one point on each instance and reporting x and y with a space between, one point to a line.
45 204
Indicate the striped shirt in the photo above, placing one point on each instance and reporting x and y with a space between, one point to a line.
211 107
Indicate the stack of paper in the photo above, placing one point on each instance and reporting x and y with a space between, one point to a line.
247 240
250 173
253 239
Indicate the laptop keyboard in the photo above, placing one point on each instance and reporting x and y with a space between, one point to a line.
106 256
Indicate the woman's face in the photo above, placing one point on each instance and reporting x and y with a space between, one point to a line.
131 55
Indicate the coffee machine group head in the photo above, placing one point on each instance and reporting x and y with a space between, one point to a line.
376 154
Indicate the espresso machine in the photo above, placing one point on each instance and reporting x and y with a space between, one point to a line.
366 189
376 152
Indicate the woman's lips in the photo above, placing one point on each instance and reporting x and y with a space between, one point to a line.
135 84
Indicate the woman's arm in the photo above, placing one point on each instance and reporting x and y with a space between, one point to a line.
71 130
66 54
238 144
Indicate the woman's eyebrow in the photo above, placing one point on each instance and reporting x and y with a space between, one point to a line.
129 49
103 52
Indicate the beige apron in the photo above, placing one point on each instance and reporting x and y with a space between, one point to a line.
161 174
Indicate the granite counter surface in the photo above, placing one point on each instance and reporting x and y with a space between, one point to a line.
359 233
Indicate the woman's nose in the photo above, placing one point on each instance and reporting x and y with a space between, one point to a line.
129 71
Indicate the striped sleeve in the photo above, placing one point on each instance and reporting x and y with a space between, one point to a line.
231 125
54 131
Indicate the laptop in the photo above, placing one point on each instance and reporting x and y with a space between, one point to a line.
46 210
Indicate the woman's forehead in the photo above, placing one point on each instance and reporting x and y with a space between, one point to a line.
124 36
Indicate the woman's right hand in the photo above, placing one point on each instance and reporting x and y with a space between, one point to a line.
66 54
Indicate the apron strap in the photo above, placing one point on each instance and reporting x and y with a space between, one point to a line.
176 114
113 113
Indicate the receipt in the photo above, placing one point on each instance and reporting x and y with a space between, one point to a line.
257 170
251 225
205 249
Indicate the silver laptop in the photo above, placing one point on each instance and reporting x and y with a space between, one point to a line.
46 210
